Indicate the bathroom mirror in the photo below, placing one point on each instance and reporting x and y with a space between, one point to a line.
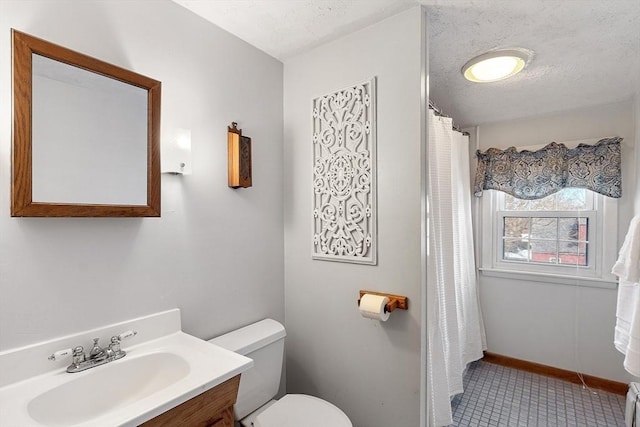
86 135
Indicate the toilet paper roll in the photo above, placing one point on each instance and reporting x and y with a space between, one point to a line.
372 307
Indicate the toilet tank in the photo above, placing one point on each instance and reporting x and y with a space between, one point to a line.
263 342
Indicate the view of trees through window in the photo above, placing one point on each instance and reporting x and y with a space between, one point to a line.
550 230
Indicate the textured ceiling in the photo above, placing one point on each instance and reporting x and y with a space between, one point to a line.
587 52
283 28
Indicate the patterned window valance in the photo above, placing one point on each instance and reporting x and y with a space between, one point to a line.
536 174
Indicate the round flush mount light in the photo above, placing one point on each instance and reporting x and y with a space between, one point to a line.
496 65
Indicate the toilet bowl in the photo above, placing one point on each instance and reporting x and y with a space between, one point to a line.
264 343
297 410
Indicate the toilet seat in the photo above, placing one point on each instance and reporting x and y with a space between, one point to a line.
301 410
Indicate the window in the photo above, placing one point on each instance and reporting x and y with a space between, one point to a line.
550 231
569 234
562 234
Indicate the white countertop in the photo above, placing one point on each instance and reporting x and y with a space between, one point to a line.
209 365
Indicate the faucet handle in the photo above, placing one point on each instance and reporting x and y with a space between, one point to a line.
60 354
115 340
78 355
126 334
114 346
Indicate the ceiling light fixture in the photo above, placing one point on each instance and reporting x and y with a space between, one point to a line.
496 65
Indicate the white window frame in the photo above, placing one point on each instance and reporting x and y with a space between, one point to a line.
602 246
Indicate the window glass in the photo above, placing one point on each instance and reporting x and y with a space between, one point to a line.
516 250
568 199
544 228
547 231
516 226
571 199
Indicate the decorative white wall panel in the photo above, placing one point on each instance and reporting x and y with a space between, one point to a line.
344 175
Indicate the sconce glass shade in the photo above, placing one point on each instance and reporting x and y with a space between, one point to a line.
496 65
176 152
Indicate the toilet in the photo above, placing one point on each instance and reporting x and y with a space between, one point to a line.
263 342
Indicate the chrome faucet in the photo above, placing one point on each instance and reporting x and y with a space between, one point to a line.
97 355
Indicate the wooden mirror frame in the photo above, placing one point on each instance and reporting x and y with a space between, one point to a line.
22 205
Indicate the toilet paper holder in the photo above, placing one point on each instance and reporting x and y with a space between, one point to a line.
395 301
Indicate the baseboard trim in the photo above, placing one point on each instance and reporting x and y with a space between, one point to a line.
550 371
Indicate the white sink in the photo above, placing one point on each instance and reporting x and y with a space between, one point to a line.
157 374
107 388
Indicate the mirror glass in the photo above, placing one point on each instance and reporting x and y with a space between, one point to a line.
85 135
87 125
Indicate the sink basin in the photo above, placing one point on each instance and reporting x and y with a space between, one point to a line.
106 388
164 367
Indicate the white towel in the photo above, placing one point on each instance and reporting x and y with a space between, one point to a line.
627 332
628 296
628 265
627 268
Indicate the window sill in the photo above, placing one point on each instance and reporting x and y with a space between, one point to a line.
587 282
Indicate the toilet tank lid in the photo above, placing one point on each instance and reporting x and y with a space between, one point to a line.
252 337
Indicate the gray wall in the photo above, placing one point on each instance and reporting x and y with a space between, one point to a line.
637 129
566 326
216 253
369 369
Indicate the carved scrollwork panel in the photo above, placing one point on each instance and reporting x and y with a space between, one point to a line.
344 175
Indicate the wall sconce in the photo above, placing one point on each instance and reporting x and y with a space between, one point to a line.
176 152
239 154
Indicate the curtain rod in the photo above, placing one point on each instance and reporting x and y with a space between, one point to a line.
435 108
438 112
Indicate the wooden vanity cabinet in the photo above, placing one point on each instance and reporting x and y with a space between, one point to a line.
213 408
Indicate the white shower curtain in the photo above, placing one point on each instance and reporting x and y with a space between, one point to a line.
455 328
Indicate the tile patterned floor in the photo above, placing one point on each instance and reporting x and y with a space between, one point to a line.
497 396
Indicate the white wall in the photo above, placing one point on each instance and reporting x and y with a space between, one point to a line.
568 327
369 369
216 253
